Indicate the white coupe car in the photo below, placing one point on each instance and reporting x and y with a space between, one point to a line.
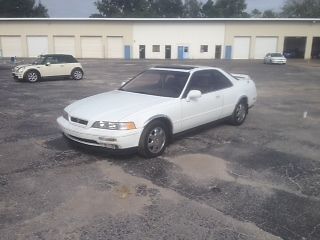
156 104
50 65
275 58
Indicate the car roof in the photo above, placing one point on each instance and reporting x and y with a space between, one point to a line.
55 55
181 68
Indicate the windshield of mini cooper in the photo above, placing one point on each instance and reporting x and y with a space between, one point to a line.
39 60
158 82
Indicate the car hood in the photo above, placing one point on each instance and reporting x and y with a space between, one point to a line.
278 58
112 106
21 66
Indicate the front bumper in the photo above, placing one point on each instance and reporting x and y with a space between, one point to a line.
113 139
17 75
279 61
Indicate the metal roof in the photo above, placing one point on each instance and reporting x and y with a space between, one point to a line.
314 20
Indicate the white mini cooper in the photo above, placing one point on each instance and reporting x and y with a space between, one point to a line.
156 104
50 65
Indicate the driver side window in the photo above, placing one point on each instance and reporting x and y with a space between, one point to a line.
201 81
207 81
52 60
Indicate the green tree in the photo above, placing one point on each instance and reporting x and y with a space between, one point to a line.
225 8
209 10
122 8
22 8
301 9
167 8
255 13
192 9
270 14
139 8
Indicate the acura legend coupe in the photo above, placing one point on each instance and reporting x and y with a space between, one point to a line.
146 111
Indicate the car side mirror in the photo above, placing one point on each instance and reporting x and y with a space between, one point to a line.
193 94
48 64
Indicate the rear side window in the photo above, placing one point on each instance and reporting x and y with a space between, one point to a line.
220 80
67 59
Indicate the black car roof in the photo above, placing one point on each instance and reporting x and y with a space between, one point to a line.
55 55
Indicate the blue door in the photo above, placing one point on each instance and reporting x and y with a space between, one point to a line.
228 52
127 52
180 52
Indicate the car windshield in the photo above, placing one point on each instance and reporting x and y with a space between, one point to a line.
276 55
158 82
39 60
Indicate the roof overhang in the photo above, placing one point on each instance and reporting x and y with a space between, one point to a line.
313 20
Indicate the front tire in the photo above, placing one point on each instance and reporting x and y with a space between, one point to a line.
32 76
153 140
240 113
77 74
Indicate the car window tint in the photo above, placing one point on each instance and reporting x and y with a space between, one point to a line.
220 81
61 59
70 59
208 81
52 60
158 82
201 81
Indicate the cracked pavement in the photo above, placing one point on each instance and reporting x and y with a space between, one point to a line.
257 181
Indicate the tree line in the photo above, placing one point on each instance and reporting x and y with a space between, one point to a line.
197 9
169 9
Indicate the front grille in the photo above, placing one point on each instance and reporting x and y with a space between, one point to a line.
78 120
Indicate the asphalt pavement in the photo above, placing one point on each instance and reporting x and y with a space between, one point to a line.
260 180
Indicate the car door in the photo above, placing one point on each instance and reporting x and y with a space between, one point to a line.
52 67
268 58
224 86
204 109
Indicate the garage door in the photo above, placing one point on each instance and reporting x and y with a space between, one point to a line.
11 46
91 47
115 47
37 46
265 45
64 45
241 48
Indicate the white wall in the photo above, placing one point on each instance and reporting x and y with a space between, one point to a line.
37 45
191 34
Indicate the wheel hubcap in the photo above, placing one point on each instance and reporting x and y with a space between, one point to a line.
77 75
156 140
240 113
32 77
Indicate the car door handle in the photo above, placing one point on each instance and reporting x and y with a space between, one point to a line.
218 96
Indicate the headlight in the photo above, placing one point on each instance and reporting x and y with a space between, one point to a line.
114 125
65 115
21 69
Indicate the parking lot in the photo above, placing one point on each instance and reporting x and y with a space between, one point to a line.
260 180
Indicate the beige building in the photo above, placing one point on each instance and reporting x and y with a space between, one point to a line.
161 38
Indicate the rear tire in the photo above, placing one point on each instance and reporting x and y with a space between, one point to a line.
153 140
32 76
239 114
77 74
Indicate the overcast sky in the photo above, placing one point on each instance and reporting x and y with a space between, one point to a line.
84 8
